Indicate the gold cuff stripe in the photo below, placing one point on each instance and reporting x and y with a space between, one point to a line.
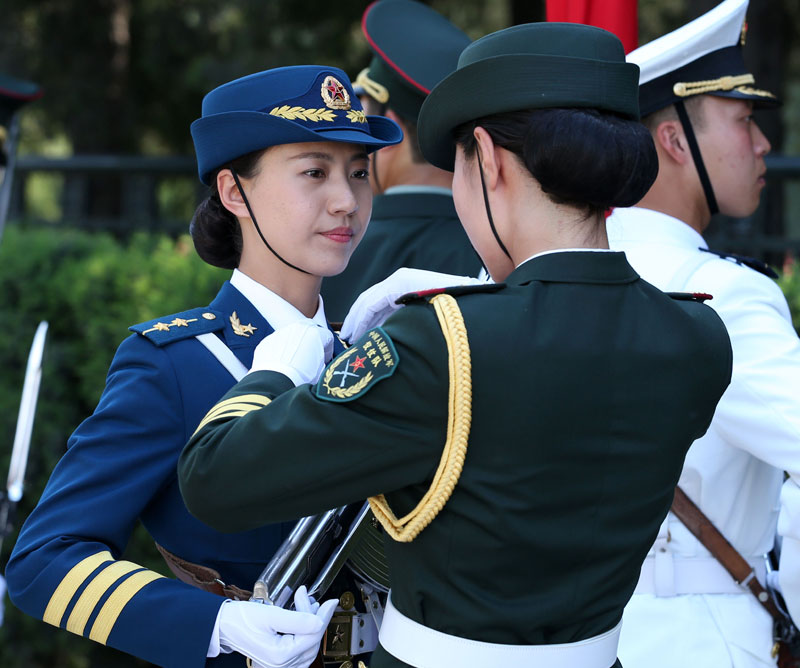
459 421
94 592
230 410
375 90
684 89
115 603
66 589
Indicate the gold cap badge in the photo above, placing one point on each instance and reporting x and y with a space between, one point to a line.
334 94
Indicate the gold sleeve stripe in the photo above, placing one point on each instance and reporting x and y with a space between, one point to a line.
115 603
69 585
259 399
233 405
459 421
94 592
235 410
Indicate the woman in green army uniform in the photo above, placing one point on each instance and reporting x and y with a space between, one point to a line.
520 441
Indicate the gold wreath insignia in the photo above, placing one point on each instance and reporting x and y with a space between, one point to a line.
344 392
239 329
293 113
334 94
355 116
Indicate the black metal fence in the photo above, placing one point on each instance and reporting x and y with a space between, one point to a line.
127 193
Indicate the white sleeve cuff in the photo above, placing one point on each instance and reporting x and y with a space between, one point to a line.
290 372
214 648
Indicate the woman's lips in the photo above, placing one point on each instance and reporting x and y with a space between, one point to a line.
340 234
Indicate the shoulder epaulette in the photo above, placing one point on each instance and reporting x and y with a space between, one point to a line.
455 291
168 329
753 263
690 296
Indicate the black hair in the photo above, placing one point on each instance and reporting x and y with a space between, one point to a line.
215 230
412 135
694 109
584 158
375 108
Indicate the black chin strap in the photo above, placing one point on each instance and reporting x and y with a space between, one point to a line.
374 170
489 209
688 130
373 167
258 229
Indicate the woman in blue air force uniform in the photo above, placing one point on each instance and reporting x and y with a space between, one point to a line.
519 442
285 155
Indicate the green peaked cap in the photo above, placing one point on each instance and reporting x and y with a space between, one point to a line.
531 66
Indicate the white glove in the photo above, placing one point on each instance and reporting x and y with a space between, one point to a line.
377 303
298 351
271 636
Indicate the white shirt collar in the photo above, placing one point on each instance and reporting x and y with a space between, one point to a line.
274 309
567 250
636 224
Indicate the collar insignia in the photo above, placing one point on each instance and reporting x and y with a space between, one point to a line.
743 36
334 94
239 329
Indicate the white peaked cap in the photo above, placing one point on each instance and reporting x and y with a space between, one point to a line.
716 29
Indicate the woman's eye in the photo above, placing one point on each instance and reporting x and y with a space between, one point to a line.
361 174
315 173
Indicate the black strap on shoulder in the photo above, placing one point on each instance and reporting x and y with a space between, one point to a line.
455 291
751 262
690 296
698 158
489 210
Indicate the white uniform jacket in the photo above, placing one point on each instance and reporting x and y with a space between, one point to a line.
686 610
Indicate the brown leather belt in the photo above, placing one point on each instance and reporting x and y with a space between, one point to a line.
202 577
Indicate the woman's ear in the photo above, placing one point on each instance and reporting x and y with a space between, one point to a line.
487 154
229 194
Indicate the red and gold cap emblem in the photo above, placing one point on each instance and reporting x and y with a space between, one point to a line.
334 94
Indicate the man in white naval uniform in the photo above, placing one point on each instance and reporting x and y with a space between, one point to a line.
687 611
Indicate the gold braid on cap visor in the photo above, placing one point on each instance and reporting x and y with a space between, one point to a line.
375 90
682 89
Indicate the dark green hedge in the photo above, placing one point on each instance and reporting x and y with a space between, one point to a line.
790 284
90 288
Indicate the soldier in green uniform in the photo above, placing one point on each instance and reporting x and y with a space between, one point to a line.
414 222
519 442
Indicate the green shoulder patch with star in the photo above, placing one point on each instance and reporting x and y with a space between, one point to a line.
351 374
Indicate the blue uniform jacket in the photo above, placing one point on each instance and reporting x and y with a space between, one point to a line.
120 466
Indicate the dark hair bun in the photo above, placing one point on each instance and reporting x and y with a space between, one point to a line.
216 234
583 157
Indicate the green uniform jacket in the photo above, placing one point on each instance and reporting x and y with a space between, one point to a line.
418 230
588 386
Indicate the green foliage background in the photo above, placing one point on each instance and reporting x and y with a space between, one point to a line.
90 288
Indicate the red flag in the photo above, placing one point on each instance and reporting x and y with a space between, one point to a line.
617 16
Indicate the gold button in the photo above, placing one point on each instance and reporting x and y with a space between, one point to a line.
209 316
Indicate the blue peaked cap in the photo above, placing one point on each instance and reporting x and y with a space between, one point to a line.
286 105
